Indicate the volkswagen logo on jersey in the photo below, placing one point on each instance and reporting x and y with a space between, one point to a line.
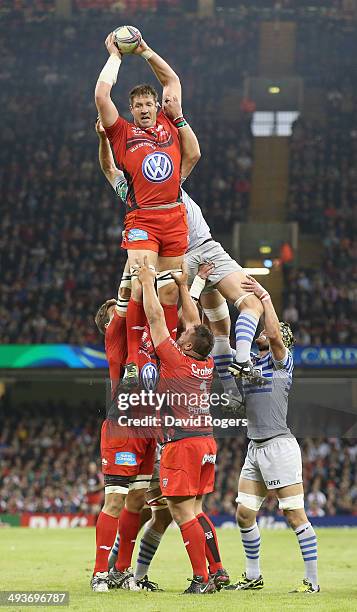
149 376
157 167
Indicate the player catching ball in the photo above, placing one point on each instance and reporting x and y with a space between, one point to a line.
148 151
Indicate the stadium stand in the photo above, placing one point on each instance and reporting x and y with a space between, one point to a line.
61 225
323 190
42 461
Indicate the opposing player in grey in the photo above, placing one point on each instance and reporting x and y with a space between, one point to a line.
273 461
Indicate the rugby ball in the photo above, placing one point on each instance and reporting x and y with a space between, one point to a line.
127 38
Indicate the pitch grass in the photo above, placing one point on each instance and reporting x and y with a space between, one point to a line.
58 559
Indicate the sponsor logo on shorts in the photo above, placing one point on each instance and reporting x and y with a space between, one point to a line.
165 482
157 167
149 376
272 483
104 461
125 458
137 234
208 459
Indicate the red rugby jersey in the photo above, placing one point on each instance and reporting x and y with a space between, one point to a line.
116 347
192 379
150 159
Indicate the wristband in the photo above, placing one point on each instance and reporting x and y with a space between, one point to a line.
110 71
180 122
197 287
147 54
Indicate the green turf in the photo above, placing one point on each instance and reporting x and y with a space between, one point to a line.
63 559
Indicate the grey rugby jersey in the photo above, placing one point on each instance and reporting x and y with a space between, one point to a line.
267 406
198 228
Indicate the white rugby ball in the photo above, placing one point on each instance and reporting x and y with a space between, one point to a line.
127 38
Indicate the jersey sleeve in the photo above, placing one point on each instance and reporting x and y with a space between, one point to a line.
170 354
115 346
117 134
287 363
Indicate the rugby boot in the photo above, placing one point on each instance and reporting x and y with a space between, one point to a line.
122 580
306 587
146 585
99 582
246 584
199 587
220 578
247 372
130 379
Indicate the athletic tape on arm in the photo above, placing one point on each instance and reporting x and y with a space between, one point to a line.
110 70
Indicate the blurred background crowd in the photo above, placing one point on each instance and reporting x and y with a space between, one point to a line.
43 463
61 222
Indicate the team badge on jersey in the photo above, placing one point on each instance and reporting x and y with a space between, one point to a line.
157 167
149 376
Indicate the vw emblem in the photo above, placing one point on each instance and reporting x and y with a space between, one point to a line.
157 167
149 376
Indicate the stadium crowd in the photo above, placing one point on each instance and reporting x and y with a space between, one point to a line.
61 224
45 465
321 304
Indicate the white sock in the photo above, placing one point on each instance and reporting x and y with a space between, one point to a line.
222 355
308 545
251 542
148 546
246 326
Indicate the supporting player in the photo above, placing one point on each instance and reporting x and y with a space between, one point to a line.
161 516
188 458
273 461
148 152
127 464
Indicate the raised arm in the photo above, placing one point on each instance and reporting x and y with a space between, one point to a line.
190 315
152 307
105 155
163 72
190 149
107 110
271 321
